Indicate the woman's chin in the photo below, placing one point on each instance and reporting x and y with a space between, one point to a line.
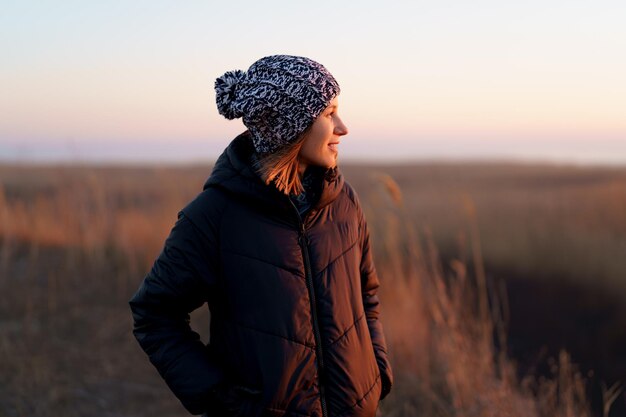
328 162
331 162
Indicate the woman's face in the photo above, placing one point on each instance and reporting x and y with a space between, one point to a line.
320 146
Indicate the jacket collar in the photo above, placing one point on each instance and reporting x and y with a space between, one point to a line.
234 172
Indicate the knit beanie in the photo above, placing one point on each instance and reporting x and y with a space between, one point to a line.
278 98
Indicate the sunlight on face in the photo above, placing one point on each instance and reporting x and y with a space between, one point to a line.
320 146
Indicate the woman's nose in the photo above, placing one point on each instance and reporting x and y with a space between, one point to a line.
340 128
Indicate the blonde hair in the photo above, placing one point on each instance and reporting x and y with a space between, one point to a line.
281 167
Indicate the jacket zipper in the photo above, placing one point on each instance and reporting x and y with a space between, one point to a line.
303 241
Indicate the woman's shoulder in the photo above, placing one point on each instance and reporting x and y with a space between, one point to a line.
207 207
352 195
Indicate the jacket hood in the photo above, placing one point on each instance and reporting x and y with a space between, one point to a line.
234 172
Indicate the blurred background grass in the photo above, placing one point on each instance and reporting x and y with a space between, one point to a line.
490 275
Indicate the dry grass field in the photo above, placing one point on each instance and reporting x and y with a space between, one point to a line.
490 275
555 234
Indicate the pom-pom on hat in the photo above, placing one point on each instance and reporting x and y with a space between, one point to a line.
278 98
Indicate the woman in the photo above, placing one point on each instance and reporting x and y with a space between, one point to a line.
278 246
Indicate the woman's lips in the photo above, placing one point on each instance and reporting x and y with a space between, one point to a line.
333 146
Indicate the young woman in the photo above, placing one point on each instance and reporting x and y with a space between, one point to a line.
278 246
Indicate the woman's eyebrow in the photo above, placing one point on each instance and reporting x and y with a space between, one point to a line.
331 107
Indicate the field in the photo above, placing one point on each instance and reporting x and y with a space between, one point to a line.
503 286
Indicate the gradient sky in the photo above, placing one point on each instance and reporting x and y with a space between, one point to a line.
133 80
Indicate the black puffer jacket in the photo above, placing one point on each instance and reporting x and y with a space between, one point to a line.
295 327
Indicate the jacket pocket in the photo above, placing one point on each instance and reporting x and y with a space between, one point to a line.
235 400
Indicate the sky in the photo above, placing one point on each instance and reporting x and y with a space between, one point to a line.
133 80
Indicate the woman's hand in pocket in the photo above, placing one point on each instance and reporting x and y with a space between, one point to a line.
238 400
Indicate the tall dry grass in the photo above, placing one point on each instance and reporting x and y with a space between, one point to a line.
447 328
75 242
564 222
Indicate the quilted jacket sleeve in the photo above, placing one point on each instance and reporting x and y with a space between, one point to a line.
371 302
179 282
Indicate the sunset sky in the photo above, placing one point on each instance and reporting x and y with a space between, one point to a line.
133 80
